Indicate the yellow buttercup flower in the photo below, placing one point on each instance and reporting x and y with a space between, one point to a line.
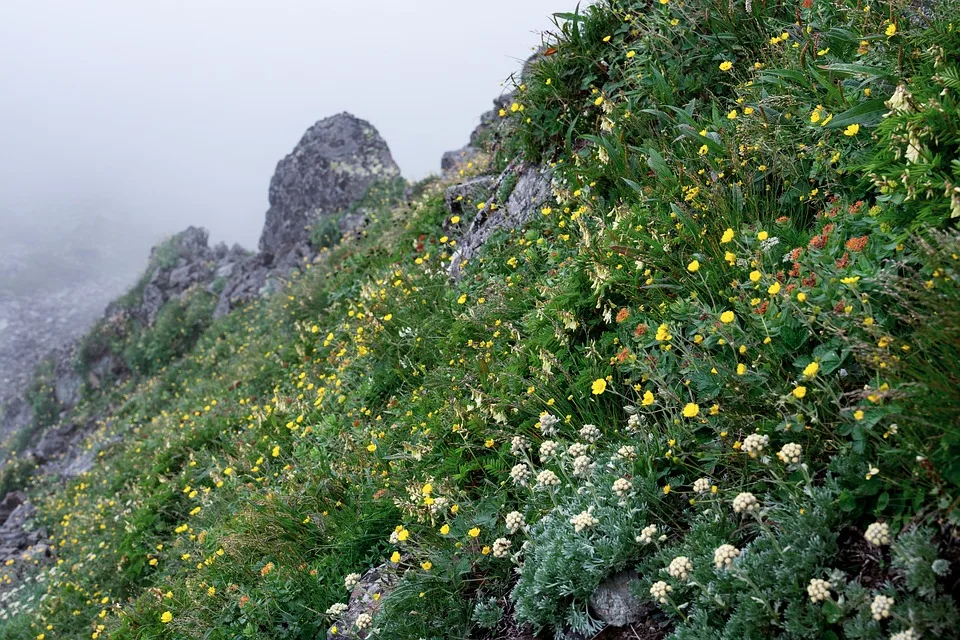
691 410
726 65
473 533
598 387
727 317
166 617
800 392
852 130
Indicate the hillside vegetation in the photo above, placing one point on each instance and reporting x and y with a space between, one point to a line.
726 355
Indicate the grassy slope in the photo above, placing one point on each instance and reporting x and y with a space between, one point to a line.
715 233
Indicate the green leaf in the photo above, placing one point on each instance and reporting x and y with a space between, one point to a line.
882 501
868 112
847 502
832 612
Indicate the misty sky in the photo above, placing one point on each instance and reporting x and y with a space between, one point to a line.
166 113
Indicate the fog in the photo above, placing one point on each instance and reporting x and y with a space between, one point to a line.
158 114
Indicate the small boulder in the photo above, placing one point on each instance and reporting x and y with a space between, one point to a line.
614 603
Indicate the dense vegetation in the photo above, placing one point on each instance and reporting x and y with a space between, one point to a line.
727 356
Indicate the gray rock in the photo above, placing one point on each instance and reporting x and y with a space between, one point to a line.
452 160
531 192
331 168
15 415
462 198
382 580
614 603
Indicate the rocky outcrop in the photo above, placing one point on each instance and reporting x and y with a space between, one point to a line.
336 161
365 599
489 121
615 603
19 540
530 193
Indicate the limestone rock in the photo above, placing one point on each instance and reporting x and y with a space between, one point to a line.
462 198
614 603
331 168
382 580
531 192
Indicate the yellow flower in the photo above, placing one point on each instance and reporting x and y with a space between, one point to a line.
763 235
427 489
371 447
727 317
800 391
666 490
598 387
598 101
858 415
473 533
454 509
166 617
811 369
445 529
801 296
647 399
486 550
228 471
546 211
850 280
755 276
727 236
852 130
774 289
462 298
732 115
741 369
691 410
694 266
703 150
426 565
726 65
403 535
891 30
455 220
488 443
395 558
630 54
276 452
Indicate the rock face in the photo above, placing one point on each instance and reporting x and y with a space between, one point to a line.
530 193
331 168
380 580
329 171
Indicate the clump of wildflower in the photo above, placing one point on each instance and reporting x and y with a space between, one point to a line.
940 567
647 533
680 568
520 474
352 580
881 606
622 487
818 590
627 452
908 634
633 422
337 609
577 449
702 485
514 521
501 548
518 445
582 465
790 453
754 443
583 520
548 424
878 534
745 502
724 555
546 479
364 620
548 449
660 590
590 433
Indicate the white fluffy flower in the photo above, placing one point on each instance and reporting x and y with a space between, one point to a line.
702 485
724 555
519 474
501 548
582 465
590 433
622 487
660 590
818 590
514 521
351 580
583 520
754 443
577 449
646 534
364 620
548 424
790 453
547 478
680 567
518 445
336 609
880 607
633 422
745 503
909 634
627 452
878 534
548 449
